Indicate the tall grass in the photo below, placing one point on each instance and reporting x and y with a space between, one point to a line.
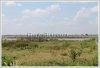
50 53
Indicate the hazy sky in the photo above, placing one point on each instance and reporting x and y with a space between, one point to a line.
49 17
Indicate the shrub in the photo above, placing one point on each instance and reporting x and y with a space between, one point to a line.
42 39
66 44
79 52
88 43
22 45
32 46
7 43
35 45
84 44
73 54
8 61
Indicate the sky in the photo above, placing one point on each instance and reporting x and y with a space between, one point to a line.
49 17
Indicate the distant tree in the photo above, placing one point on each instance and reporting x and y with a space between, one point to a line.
86 34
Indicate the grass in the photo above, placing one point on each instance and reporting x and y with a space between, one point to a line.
50 53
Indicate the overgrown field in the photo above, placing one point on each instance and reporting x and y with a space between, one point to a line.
50 53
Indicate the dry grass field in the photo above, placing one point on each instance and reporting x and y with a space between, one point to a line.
50 53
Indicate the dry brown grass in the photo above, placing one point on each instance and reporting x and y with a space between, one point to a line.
52 53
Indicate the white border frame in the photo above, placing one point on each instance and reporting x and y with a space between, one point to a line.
0 32
77 1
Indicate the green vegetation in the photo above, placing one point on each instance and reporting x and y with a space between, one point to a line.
42 52
8 61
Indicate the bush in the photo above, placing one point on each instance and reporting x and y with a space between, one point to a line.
7 43
73 54
88 43
66 44
32 46
79 52
42 39
84 44
35 46
8 61
22 45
